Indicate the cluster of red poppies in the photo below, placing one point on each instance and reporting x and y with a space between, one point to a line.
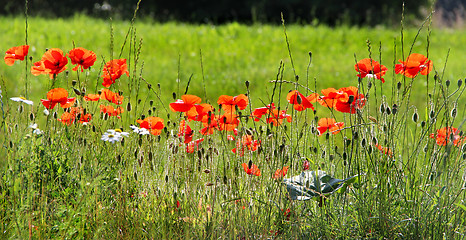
345 100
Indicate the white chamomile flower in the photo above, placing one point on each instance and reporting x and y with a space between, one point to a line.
140 131
114 135
35 130
22 99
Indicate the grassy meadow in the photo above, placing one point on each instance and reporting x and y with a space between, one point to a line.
396 178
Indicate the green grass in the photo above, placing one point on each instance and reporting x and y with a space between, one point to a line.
68 183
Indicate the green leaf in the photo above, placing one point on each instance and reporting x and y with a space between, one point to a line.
461 206
313 184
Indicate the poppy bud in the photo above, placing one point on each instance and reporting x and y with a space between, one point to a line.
369 85
73 83
460 82
382 108
128 107
330 157
77 92
139 101
423 124
435 77
453 113
149 112
363 143
369 149
350 99
345 155
207 171
31 116
415 117
30 58
55 115
120 92
374 140
158 85
247 84
21 108
151 102
447 83
250 164
432 114
388 111
298 99
174 95
149 86
398 85
166 178
395 108
143 117
136 154
323 154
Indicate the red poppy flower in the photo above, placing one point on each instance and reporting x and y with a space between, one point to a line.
259 112
276 117
414 64
246 143
55 96
185 131
185 103
229 103
329 124
53 62
82 58
447 135
370 68
200 112
193 145
92 97
69 117
15 53
387 151
357 101
113 70
228 122
331 97
111 111
210 124
252 169
300 102
279 173
110 96
153 124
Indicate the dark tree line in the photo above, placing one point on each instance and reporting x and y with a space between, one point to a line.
330 12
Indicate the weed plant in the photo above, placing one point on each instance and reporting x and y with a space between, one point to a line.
74 178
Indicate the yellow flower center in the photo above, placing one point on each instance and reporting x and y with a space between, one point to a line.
23 98
118 130
111 136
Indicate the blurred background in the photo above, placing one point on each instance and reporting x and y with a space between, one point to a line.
329 12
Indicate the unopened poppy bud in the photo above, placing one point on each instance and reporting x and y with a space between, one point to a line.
460 82
55 115
369 85
382 108
174 95
394 108
298 99
323 154
158 85
423 123
363 143
415 117
432 114
143 117
120 92
250 164
73 83
128 107
77 92
447 83
139 101
247 84
453 113
207 171
31 116
398 85
30 58
21 108
374 140
149 112
345 156
149 86
350 99
151 102
388 111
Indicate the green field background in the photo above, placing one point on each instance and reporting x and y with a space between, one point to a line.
231 54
